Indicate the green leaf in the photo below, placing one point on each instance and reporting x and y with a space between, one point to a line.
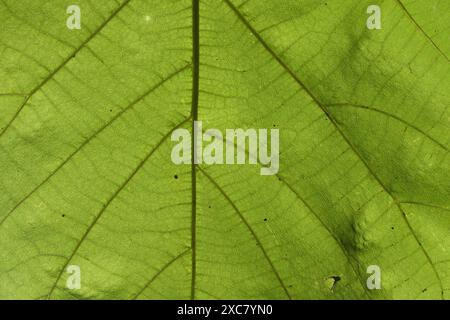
87 179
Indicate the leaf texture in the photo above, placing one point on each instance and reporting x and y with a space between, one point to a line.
87 178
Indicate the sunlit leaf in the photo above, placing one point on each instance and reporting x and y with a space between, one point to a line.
87 178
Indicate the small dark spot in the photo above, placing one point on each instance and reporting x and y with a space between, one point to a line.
392 228
332 282
175 176
265 219
63 215
110 110
336 278
209 206
425 290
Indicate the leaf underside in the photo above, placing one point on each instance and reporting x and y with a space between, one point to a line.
87 178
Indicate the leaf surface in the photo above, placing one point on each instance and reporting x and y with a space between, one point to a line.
87 178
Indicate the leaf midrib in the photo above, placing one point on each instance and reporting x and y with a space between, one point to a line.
194 115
